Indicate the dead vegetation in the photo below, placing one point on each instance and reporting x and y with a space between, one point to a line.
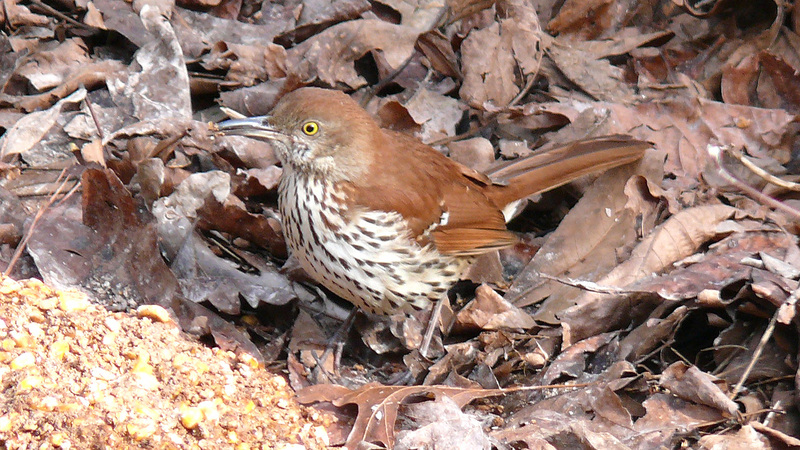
653 306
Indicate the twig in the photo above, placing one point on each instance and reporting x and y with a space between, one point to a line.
768 177
761 344
716 153
62 16
27 237
435 315
491 117
590 286
371 92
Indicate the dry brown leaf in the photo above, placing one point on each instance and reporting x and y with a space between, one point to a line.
745 438
329 55
572 251
665 415
489 311
597 77
54 64
519 22
203 274
21 16
30 129
717 268
677 238
441 423
419 14
488 67
627 40
684 129
649 335
492 57
476 153
735 358
439 51
93 152
437 114
378 405
690 383
247 64
586 18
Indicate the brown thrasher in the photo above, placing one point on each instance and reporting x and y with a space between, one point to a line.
385 221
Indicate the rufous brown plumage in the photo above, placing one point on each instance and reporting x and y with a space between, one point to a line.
385 221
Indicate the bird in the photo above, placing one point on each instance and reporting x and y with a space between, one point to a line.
387 222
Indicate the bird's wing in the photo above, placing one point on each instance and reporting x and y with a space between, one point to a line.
442 201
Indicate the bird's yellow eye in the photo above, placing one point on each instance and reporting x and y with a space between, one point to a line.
310 128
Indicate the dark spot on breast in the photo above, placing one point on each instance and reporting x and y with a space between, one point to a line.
327 222
366 232
314 235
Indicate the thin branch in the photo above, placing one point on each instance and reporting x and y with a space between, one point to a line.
716 153
26 238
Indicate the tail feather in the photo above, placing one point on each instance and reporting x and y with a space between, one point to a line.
541 172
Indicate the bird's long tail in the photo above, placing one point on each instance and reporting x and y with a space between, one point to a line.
547 170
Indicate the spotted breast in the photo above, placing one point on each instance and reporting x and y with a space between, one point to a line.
366 257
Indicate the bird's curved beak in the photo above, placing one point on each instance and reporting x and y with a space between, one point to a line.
253 127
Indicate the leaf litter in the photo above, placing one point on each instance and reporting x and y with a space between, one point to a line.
663 293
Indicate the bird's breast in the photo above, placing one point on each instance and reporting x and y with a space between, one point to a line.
366 257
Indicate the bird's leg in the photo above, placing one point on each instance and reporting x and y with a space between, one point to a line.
336 341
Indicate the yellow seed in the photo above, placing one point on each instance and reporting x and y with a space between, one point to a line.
249 360
742 122
48 403
30 382
36 284
142 364
70 407
59 348
48 303
154 312
250 320
249 406
58 439
36 317
71 301
190 417
23 360
24 341
8 344
180 360
146 411
141 429
5 423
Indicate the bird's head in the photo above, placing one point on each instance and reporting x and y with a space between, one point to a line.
318 131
